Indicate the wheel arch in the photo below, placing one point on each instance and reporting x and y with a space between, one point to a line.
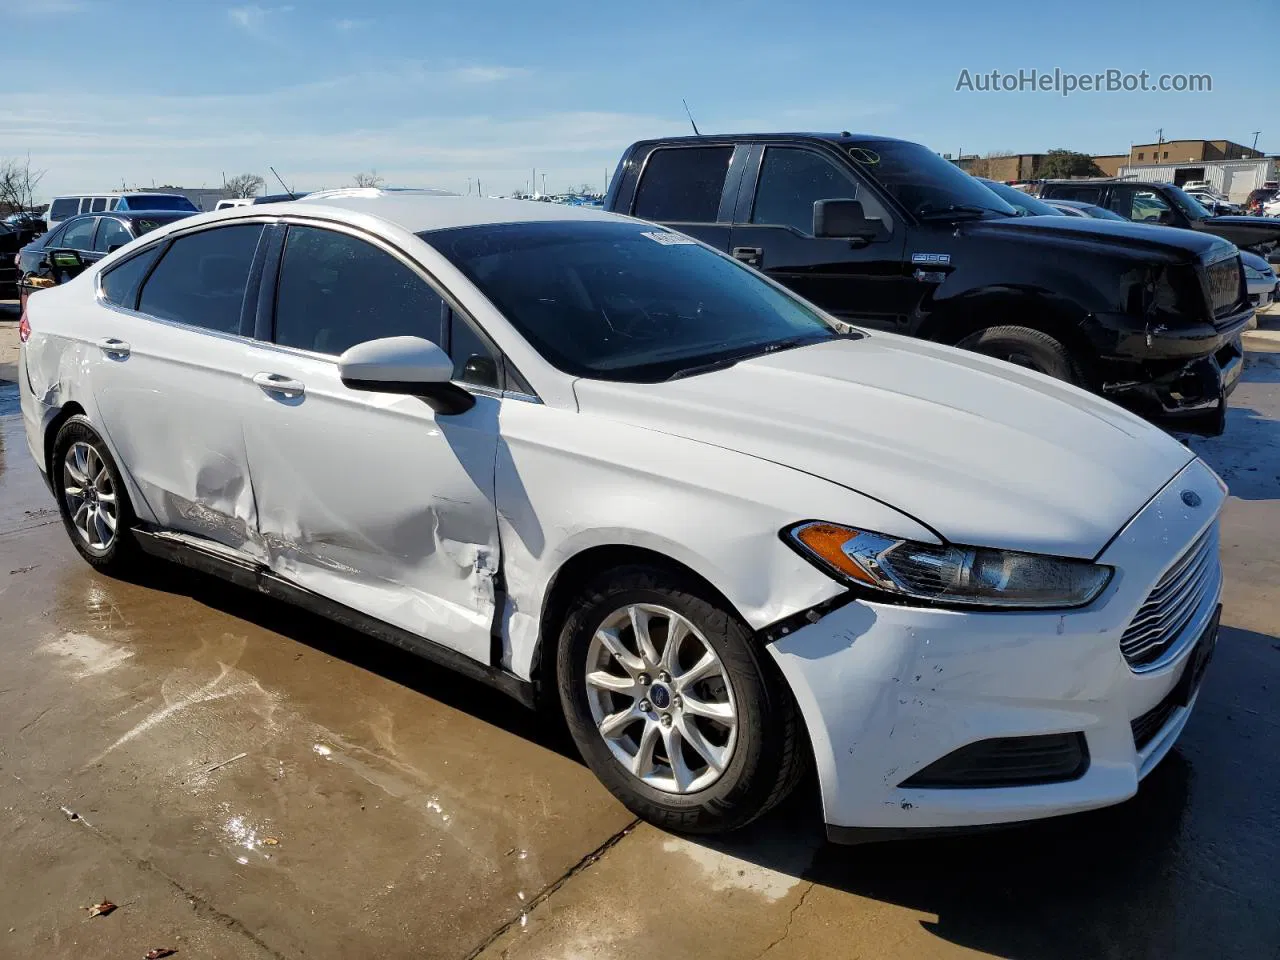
68 410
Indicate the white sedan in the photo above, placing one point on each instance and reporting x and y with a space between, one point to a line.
587 459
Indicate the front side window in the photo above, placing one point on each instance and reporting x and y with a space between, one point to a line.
1142 206
683 184
792 181
626 301
336 290
79 235
473 361
202 278
111 233
120 283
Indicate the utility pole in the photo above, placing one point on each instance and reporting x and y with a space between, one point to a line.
544 184
1255 140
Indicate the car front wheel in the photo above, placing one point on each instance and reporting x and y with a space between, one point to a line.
674 705
1025 347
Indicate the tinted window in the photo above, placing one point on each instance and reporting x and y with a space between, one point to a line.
1024 203
683 184
63 207
626 301
120 284
922 181
336 290
1144 206
157 203
202 279
99 203
792 181
86 204
1083 194
53 238
473 361
111 233
79 235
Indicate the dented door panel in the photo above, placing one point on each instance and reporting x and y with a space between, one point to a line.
171 409
371 501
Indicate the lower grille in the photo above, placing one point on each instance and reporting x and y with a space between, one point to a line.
1173 603
1008 762
1152 722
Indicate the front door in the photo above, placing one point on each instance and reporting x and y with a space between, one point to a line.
861 282
373 500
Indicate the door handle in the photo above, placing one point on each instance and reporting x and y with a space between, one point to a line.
279 383
749 255
116 349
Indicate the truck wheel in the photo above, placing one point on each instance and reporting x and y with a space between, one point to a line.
674 705
1025 347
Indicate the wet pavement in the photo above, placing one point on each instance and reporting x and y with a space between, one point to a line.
247 780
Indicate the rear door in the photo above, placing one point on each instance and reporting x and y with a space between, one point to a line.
862 282
691 189
372 499
168 377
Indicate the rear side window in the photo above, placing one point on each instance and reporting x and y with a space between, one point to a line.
1083 194
99 204
473 361
111 233
201 280
683 184
120 283
64 207
79 235
336 290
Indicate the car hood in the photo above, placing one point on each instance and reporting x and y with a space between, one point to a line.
1117 233
983 452
1243 231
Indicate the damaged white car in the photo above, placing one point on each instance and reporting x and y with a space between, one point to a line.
571 453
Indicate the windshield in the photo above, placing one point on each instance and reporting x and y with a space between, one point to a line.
1024 203
626 301
922 181
159 203
1186 203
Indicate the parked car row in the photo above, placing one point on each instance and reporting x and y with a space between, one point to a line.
729 532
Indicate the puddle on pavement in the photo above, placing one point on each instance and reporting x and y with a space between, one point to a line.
87 656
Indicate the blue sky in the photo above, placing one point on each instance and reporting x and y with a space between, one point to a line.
434 93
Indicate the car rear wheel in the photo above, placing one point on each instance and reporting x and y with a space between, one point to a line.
1025 347
674 705
92 499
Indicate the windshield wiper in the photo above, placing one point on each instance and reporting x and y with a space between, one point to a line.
957 211
725 363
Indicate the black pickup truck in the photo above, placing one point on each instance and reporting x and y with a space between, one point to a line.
887 234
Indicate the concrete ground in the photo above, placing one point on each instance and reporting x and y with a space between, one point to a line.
246 780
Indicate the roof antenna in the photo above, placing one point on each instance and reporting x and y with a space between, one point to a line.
292 195
690 116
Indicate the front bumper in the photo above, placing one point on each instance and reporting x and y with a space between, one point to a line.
887 690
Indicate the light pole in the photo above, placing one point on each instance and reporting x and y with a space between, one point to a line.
1255 140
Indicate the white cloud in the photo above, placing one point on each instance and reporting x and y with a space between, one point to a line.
346 24
252 18
483 74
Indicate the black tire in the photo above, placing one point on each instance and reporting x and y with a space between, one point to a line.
771 752
1025 347
121 556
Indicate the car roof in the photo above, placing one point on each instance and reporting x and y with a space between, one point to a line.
133 214
416 213
1078 204
843 137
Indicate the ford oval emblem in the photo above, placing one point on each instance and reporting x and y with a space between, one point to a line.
1191 498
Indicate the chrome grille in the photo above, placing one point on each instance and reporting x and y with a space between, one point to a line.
1224 285
1173 603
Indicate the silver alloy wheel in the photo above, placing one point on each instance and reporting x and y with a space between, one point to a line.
90 496
661 698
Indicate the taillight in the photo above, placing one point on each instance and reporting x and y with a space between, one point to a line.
24 327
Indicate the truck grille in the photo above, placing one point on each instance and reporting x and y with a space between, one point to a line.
1173 602
1224 280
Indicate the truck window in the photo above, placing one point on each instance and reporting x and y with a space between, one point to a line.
683 184
793 180
1083 194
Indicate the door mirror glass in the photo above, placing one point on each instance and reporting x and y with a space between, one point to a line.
844 219
67 259
410 365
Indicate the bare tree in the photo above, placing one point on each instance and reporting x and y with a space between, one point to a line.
585 190
370 179
18 182
244 185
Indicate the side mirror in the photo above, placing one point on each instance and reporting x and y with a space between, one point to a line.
67 259
844 219
113 247
408 365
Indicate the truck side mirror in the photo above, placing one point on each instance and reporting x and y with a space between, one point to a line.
846 220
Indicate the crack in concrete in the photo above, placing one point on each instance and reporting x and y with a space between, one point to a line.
552 887
791 918
201 906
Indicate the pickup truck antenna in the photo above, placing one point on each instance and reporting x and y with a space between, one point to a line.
689 114
292 195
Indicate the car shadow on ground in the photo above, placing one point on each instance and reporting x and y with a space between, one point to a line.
1247 455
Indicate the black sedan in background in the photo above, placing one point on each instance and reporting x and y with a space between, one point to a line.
82 241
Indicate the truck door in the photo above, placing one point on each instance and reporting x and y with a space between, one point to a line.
859 281
692 189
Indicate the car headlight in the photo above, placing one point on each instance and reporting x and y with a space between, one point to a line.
973 576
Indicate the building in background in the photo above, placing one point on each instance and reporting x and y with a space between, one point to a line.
1018 166
1234 179
1110 163
1189 151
